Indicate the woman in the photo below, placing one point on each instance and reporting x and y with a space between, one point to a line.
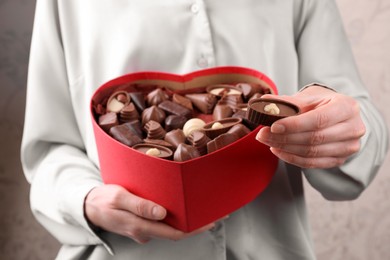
338 143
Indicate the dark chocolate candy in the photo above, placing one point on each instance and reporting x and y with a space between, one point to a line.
139 101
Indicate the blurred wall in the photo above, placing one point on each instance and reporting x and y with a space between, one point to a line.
355 230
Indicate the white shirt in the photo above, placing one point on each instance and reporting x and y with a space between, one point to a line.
79 45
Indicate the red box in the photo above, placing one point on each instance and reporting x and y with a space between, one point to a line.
199 191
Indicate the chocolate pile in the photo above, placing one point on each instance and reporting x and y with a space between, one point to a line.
177 126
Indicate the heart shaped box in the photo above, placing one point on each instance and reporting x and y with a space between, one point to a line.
198 191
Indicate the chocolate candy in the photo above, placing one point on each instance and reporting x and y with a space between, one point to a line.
129 113
185 152
205 102
199 140
173 108
108 120
156 97
117 101
154 130
221 111
160 142
175 137
266 111
192 125
154 150
153 113
240 130
174 122
221 90
215 128
221 141
139 101
185 102
125 134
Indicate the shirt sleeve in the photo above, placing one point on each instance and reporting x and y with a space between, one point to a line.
53 153
325 56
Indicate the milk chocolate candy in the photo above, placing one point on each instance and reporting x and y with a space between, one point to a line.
174 122
221 111
221 90
154 150
199 140
240 130
215 128
205 102
185 152
129 113
266 111
161 143
117 101
221 141
242 114
108 120
232 100
156 97
154 130
124 134
249 89
139 101
185 102
175 137
173 108
153 113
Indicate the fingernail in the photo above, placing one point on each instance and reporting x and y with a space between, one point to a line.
277 128
158 213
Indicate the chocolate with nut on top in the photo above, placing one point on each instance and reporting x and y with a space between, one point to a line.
266 111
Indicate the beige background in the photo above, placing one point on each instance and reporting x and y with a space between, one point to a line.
357 230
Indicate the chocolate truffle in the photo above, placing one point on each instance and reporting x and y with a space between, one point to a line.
266 111
192 125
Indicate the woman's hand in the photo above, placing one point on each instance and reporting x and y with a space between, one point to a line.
116 210
324 135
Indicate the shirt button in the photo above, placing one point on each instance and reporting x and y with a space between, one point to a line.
203 63
195 8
